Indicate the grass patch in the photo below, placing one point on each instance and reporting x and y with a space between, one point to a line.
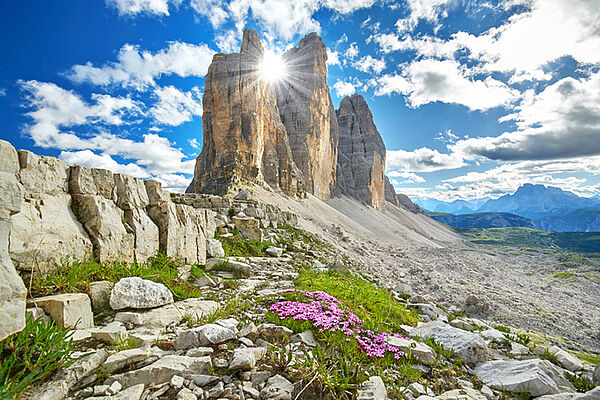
593 359
32 355
292 234
231 308
238 246
126 344
375 306
567 275
582 384
69 277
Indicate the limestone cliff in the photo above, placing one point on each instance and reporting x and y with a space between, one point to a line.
308 114
361 153
390 192
243 136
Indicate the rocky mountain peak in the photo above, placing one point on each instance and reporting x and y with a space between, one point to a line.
251 43
308 114
361 153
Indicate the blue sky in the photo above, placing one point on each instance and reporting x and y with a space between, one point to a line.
472 98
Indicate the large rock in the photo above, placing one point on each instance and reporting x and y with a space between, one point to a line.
470 347
390 192
209 334
46 231
308 114
425 354
214 248
12 289
181 227
277 388
132 198
94 195
136 292
173 313
537 377
361 153
566 360
163 370
246 358
71 309
372 389
249 227
405 202
243 136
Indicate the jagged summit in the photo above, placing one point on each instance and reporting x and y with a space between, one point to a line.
287 135
361 153
251 43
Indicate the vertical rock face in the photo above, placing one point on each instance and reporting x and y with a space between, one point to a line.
12 290
390 192
308 114
361 153
243 136
46 230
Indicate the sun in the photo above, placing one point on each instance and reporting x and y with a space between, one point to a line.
272 68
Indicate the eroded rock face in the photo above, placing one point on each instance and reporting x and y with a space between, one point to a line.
405 202
390 192
12 289
361 153
308 114
243 136
46 231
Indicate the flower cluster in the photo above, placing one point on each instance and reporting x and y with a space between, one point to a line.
325 313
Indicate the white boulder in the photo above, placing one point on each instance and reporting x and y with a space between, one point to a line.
136 292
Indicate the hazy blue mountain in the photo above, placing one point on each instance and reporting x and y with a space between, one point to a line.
583 220
539 201
485 220
455 207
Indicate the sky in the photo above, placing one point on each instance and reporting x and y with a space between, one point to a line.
472 98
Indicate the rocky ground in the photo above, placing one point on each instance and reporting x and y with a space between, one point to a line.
514 286
223 345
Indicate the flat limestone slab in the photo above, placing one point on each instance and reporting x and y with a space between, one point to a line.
69 310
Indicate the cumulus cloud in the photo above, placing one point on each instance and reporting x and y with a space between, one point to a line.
368 63
398 177
421 160
213 10
352 51
428 81
133 7
429 10
562 121
344 88
194 143
88 158
55 112
140 68
333 57
175 107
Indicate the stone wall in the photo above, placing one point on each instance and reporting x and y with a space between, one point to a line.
75 212
266 213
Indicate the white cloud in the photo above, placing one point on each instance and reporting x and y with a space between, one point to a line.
2 92
429 10
55 112
174 182
352 51
194 143
398 177
421 160
369 63
175 107
428 81
333 57
562 121
343 88
213 10
88 158
132 7
141 68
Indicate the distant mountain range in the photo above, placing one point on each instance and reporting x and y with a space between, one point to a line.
484 220
548 208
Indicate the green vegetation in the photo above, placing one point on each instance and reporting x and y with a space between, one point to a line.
339 365
502 328
582 384
520 338
455 315
292 234
237 246
32 355
593 359
69 277
584 242
546 355
376 307
567 275
231 308
126 344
